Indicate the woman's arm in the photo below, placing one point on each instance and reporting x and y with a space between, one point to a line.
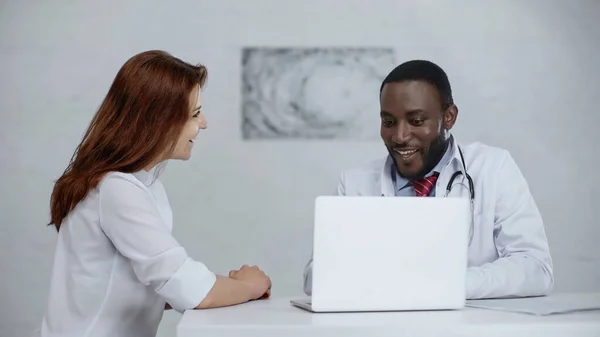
226 292
246 284
131 221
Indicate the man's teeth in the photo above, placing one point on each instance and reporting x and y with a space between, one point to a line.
406 152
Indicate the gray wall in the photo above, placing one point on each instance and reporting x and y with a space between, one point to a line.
525 77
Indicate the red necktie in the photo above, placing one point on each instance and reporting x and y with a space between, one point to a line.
423 187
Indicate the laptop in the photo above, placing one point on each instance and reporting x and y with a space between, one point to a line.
388 254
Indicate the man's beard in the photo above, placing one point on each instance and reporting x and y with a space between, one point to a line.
434 155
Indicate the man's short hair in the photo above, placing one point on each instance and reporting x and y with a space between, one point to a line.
422 70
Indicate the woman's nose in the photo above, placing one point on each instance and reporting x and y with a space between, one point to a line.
203 123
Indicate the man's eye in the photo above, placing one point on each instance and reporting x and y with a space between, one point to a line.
417 122
388 123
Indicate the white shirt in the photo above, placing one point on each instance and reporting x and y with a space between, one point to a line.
116 263
509 255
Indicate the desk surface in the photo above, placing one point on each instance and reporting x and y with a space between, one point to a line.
276 317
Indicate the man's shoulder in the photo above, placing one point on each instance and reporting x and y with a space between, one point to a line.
373 167
489 153
363 179
489 159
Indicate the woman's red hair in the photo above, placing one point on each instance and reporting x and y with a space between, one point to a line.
138 123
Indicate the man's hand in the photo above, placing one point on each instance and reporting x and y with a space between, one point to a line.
256 278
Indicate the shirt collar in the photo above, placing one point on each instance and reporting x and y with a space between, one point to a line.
147 177
456 157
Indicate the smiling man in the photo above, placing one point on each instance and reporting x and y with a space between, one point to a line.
509 254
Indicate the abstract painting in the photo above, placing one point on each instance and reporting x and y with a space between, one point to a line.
312 93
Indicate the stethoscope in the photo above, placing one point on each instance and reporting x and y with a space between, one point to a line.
471 193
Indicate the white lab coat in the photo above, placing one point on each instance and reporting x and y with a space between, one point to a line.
509 255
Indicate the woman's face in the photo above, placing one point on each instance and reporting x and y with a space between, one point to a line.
196 121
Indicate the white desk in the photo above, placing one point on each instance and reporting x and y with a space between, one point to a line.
276 317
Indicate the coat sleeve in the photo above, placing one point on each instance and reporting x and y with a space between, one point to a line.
340 191
524 266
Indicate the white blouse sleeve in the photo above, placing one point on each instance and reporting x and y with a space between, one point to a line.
130 219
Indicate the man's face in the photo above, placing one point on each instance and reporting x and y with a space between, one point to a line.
413 126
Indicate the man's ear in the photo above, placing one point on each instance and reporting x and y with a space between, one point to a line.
449 117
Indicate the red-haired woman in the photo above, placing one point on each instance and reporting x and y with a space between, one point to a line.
117 266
